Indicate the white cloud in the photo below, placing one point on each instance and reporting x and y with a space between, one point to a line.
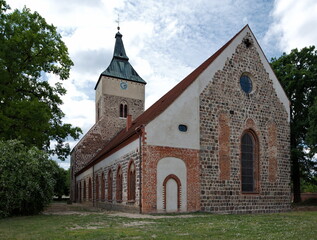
294 24
165 40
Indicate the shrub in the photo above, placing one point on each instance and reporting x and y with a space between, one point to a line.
26 179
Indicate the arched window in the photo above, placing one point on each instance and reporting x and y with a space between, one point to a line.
249 162
80 191
98 111
97 187
102 186
119 185
84 190
77 192
89 189
131 182
123 110
110 185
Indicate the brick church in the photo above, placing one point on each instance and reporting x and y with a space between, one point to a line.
217 142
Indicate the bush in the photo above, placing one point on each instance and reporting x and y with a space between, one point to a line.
26 179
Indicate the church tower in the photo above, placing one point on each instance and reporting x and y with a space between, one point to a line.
120 92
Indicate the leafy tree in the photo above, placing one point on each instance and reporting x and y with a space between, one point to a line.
30 49
297 72
62 184
310 186
26 179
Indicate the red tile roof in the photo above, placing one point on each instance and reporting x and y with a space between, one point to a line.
156 109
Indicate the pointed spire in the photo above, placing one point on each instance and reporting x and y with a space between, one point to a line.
119 66
119 50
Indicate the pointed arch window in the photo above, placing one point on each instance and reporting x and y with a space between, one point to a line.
110 185
131 182
119 185
89 190
97 187
102 186
84 190
249 162
123 110
98 111
80 191
77 192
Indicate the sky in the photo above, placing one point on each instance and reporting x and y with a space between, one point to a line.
164 40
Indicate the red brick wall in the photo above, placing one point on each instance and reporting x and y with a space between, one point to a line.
224 147
151 156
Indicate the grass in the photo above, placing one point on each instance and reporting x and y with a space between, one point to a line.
96 225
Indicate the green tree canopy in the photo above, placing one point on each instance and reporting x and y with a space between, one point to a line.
297 72
26 180
29 106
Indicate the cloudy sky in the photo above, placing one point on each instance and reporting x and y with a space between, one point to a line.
165 40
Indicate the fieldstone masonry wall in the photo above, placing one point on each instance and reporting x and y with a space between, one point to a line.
105 129
226 109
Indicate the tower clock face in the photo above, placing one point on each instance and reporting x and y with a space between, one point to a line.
124 85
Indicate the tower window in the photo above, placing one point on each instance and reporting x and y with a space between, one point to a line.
98 111
123 110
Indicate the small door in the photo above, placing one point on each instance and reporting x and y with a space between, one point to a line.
171 195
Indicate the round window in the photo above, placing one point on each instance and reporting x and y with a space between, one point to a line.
182 128
246 83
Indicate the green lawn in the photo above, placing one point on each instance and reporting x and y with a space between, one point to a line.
292 225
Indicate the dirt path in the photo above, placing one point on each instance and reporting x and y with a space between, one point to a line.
84 209
57 208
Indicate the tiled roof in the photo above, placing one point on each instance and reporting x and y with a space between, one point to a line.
157 108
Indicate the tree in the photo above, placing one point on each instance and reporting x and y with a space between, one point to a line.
297 72
30 49
26 179
62 184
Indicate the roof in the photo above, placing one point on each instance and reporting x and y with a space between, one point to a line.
119 66
157 108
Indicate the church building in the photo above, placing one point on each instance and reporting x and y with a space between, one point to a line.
219 141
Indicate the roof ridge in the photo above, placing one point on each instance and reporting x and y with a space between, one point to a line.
186 82
160 105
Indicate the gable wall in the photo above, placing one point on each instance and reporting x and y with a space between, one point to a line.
225 113
163 130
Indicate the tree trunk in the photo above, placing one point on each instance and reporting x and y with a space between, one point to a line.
296 179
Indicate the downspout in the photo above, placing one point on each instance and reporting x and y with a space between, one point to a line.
93 185
139 131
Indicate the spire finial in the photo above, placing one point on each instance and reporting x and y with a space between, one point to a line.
118 21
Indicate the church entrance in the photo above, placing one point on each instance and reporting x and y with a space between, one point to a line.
171 185
172 194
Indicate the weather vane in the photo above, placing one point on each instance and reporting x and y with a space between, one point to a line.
118 21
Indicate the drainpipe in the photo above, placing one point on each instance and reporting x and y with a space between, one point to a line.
93 185
140 131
